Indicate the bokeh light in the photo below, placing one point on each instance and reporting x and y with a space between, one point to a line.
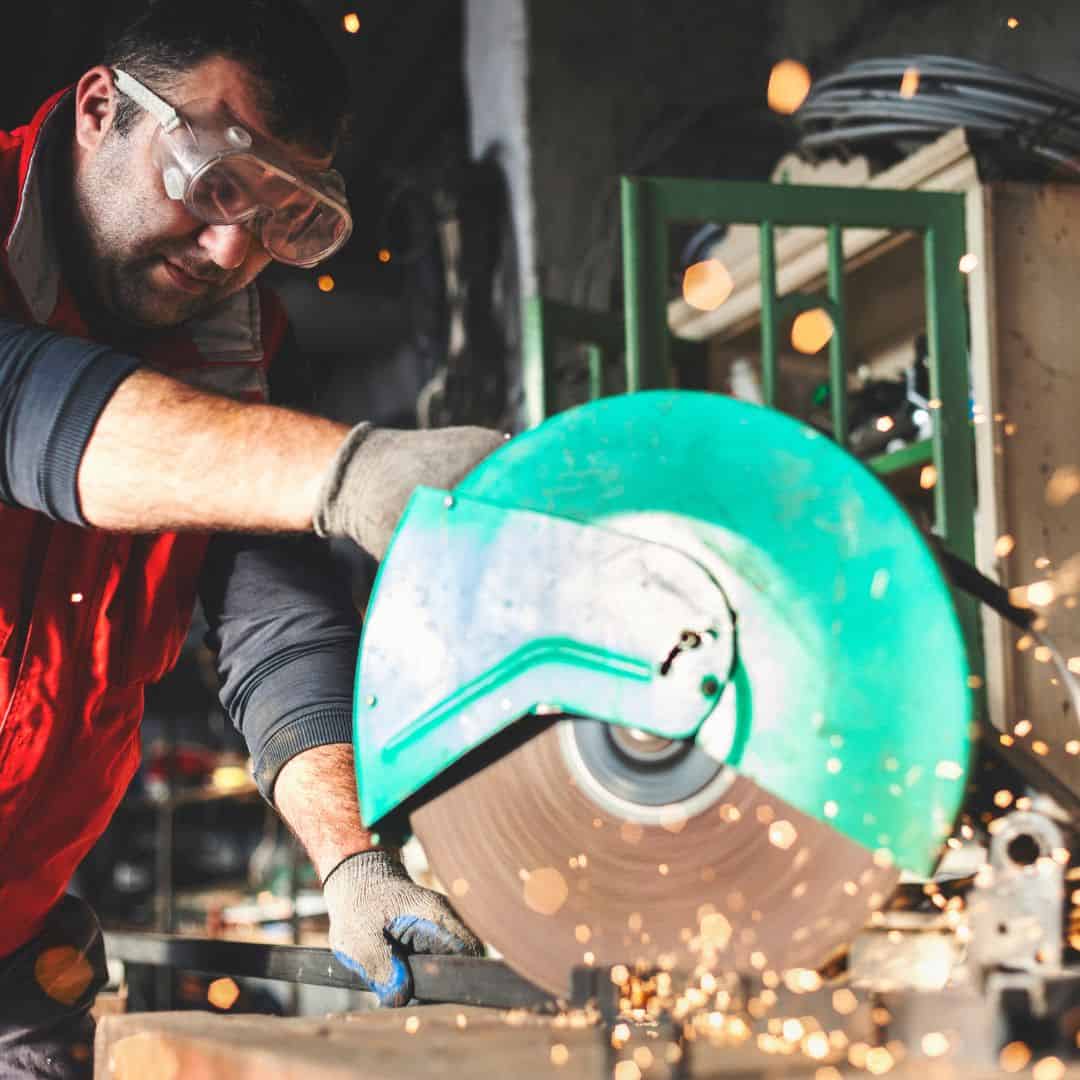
811 331
545 890
230 777
909 84
1063 484
707 284
223 993
789 83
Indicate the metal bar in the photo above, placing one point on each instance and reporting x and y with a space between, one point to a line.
461 980
947 339
535 374
838 342
644 226
548 322
769 312
920 453
953 438
594 356
748 203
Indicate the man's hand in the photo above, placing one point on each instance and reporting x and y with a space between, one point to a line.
376 470
378 915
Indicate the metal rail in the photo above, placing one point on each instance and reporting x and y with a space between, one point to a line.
601 338
460 980
548 322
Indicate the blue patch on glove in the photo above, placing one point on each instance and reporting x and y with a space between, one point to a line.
424 936
396 991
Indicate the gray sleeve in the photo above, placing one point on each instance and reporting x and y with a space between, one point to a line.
286 633
52 390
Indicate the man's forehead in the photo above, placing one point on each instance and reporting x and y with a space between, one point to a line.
228 82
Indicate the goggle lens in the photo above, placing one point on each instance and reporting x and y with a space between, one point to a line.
294 225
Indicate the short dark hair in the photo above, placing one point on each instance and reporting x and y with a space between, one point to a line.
301 84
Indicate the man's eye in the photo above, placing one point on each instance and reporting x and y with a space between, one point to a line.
226 193
227 196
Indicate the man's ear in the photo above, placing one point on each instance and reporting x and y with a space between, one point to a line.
95 107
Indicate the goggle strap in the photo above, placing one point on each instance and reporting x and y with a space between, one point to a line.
160 110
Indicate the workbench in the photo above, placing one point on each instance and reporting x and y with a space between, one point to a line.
433 1041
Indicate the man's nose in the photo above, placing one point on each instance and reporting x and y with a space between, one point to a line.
227 245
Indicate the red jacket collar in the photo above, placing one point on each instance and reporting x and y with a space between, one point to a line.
30 253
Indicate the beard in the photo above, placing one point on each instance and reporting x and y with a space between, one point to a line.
117 249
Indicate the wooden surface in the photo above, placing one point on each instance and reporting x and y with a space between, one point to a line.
379 1046
1032 381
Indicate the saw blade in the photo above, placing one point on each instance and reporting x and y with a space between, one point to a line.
839 747
555 878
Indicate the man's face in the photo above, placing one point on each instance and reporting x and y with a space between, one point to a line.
150 262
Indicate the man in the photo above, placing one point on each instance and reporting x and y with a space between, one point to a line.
138 209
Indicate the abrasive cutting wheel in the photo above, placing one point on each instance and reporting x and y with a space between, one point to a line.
806 618
553 879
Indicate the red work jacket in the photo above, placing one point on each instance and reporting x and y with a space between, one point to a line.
87 617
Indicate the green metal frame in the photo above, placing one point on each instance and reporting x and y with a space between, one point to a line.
602 336
548 322
649 206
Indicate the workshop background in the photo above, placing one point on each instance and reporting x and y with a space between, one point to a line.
483 169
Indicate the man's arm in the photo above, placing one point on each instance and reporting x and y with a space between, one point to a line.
286 636
316 794
164 455
86 437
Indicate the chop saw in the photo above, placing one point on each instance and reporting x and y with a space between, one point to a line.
670 678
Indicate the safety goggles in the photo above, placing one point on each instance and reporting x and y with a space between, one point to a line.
227 175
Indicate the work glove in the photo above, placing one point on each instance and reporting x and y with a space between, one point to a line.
378 915
376 470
